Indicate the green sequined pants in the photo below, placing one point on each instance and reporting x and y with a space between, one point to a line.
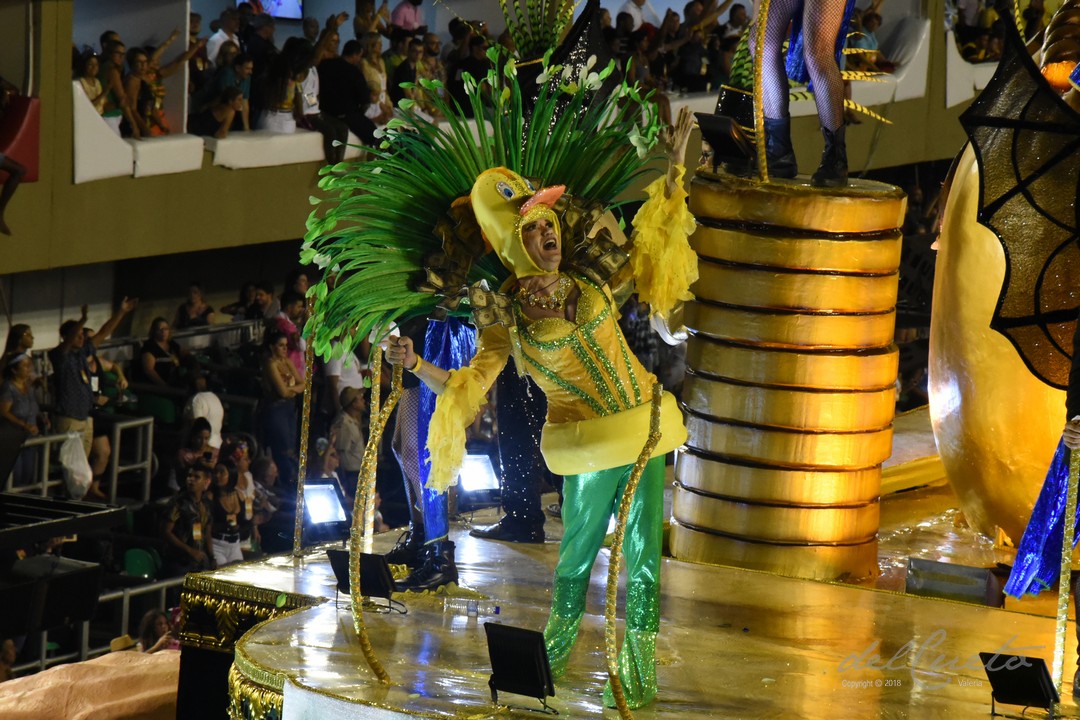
590 500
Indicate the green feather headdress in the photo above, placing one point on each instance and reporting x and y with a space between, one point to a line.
374 232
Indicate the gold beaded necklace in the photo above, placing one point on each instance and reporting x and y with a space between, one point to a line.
554 301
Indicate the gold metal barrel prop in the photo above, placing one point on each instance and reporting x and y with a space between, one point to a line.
791 371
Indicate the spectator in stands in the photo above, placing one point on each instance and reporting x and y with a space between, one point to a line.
236 454
20 338
228 515
245 15
348 434
398 50
289 322
346 371
116 105
409 15
107 381
140 96
433 67
458 49
738 21
282 385
205 404
978 50
187 526
160 357
109 36
310 28
334 130
721 51
227 54
477 63
407 73
200 67
19 407
281 95
235 75
369 20
873 60
261 45
691 64
344 93
323 464
87 74
156 74
230 25
73 396
265 473
197 448
641 12
246 299
624 25
380 109
155 634
666 43
263 306
298 281
195 312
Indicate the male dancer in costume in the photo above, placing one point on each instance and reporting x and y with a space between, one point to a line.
565 336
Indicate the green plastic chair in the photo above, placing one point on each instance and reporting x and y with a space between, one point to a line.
140 563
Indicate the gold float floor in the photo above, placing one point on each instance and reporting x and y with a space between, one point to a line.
733 643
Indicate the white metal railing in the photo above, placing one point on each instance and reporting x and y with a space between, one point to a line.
42 464
86 652
143 427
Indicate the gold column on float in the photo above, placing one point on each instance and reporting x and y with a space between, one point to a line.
791 372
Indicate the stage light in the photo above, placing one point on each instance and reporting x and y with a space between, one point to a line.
478 485
477 473
519 664
1019 680
324 511
376 580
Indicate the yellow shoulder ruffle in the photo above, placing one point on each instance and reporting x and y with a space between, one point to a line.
455 409
664 264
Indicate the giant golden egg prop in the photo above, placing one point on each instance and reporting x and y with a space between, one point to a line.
996 425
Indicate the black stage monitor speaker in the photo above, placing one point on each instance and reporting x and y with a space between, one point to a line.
929 578
519 663
1019 680
376 580
727 139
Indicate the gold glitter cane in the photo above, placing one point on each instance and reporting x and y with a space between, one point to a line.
1066 571
364 506
610 641
305 429
759 108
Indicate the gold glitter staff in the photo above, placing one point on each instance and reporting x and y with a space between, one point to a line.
360 533
305 430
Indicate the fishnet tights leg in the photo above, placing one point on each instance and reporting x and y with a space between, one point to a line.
821 24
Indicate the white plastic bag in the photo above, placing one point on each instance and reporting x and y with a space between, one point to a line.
77 474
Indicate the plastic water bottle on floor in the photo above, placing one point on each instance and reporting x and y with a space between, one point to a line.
472 607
